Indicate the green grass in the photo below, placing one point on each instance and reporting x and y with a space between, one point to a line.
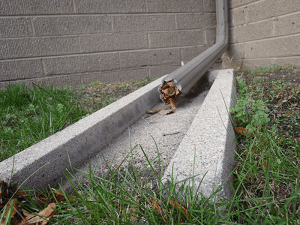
265 181
30 115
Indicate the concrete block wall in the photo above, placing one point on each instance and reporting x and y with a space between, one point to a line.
263 32
74 42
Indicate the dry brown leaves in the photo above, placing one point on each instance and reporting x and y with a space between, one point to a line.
242 130
152 111
134 209
10 198
173 203
180 208
170 94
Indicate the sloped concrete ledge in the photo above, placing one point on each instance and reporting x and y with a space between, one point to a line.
210 139
48 159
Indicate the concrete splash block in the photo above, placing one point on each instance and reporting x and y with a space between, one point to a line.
44 163
210 139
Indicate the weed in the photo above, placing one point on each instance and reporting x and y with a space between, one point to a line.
249 113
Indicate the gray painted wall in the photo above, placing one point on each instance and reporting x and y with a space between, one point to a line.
74 42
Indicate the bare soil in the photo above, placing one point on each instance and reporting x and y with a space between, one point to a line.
281 90
97 95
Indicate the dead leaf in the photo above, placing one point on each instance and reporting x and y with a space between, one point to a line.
156 206
21 193
166 111
280 92
273 119
265 165
173 103
59 196
42 200
146 117
170 93
280 102
45 215
27 215
242 130
152 111
134 216
12 203
287 113
177 205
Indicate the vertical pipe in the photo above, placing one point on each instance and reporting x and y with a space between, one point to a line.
186 76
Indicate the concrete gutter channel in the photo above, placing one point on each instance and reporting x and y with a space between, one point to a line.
209 133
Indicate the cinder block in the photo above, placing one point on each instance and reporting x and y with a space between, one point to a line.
237 3
16 48
188 53
75 81
251 32
35 7
49 26
176 38
293 61
159 71
110 6
62 81
210 36
289 24
143 22
284 46
20 69
115 76
55 81
58 45
270 8
113 42
174 6
209 6
149 58
2 85
237 16
195 21
249 64
15 27
81 63
236 51
45 46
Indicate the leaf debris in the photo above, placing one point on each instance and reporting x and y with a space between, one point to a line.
170 94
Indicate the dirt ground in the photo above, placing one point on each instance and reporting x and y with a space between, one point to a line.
283 88
97 95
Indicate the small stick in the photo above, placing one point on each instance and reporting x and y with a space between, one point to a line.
176 132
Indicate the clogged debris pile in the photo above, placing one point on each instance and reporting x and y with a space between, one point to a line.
170 94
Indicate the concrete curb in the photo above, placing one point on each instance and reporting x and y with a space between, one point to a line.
207 149
48 159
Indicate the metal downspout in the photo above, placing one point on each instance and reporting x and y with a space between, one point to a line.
186 76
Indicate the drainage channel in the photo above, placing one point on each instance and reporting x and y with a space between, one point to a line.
43 164
165 131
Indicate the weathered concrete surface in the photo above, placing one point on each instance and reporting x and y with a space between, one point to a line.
154 133
44 163
207 149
